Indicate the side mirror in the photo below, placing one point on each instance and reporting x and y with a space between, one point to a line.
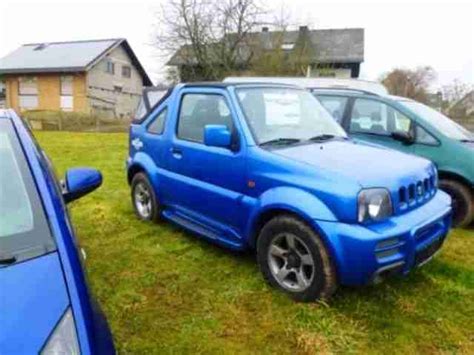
217 136
79 182
404 137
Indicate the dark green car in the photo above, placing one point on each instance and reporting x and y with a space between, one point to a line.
414 128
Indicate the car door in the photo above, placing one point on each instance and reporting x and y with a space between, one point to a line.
209 181
153 137
375 121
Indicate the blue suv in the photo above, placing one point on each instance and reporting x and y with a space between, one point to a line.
45 304
265 167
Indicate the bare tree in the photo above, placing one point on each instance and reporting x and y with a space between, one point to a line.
209 36
410 83
455 91
274 57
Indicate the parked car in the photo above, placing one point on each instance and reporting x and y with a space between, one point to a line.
367 112
266 167
45 304
314 83
411 127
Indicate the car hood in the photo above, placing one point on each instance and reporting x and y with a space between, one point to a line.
369 165
33 297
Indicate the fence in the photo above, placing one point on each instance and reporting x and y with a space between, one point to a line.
74 121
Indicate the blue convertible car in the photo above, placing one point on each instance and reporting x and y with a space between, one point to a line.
45 304
264 166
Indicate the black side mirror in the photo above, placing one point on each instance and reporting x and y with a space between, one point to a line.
404 137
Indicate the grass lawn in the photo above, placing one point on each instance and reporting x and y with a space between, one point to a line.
166 291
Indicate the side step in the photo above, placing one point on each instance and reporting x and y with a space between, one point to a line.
201 230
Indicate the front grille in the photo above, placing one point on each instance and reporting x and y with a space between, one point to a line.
416 193
424 254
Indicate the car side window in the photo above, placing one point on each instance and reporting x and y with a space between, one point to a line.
423 137
335 105
158 124
401 123
199 110
375 117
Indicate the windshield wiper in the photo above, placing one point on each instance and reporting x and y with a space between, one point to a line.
7 259
281 141
324 137
467 140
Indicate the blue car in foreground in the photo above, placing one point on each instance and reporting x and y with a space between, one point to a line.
265 167
45 304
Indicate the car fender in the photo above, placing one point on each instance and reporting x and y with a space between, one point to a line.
299 202
456 174
142 161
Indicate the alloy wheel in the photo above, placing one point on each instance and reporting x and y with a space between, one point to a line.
291 262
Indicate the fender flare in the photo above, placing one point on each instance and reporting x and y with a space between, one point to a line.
292 200
144 163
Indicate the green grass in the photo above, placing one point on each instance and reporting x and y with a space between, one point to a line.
166 291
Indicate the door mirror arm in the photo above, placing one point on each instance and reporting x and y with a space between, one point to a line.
404 137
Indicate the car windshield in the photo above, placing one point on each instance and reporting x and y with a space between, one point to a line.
442 123
286 115
24 231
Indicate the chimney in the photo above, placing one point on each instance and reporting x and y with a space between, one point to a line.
304 29
265 29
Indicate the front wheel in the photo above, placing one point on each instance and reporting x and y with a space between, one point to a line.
462 202
144 199
293 258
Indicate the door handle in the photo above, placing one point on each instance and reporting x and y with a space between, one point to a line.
176 152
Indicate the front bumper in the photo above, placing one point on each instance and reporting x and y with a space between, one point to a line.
365 253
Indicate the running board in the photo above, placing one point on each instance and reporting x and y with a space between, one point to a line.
201 230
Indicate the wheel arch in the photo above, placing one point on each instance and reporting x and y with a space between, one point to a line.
142 163
286 200
450 175
134 169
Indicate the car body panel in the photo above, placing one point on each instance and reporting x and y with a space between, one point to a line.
31 306
68 251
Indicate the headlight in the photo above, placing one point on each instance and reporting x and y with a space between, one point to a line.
374 205
63 340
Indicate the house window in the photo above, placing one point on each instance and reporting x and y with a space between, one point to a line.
110 67
66 100
126 71
28 93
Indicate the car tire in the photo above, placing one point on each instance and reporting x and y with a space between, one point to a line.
463 204
144 201
292 257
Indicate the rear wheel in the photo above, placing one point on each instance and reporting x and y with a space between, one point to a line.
463 204
293 258
144 199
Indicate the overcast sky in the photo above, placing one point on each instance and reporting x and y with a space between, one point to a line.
397 33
